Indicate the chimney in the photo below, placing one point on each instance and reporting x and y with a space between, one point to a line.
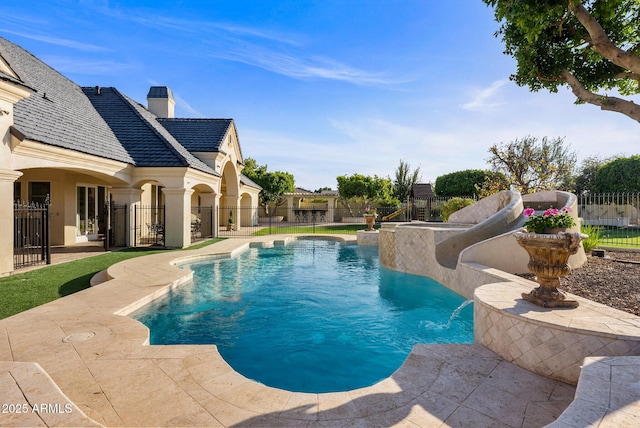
160 101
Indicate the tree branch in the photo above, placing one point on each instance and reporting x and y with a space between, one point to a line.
630 76
605 102
602 44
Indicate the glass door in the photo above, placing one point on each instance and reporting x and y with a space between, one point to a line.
87 212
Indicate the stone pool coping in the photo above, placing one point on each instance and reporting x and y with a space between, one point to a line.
552 342
101 364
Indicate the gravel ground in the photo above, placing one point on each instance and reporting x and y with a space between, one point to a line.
613 280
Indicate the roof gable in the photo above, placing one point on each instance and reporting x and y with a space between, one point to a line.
6 69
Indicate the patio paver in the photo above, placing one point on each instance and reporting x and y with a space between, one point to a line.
103 364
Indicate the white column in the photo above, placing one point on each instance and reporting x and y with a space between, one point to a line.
177 217
7 178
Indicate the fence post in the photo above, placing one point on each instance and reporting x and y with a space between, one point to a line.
214 228
47 232
164 226
135 225
107 223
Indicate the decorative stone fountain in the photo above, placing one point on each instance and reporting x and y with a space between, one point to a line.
548 257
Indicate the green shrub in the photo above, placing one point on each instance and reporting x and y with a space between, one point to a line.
453 205
595 233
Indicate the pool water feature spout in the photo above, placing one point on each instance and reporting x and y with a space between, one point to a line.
456 312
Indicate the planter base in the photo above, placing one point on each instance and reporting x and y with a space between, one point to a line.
370 220
548 257
546 299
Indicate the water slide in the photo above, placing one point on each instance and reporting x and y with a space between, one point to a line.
394 214
494 215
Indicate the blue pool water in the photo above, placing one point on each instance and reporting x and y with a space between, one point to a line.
311 316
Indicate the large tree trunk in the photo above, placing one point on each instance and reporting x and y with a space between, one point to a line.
605 102
601 43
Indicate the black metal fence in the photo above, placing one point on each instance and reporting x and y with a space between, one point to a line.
202 223
614 216
148 226
31 239
253 221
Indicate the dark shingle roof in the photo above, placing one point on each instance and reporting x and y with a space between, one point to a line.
198 135
100 122
139 132
422 191
58 113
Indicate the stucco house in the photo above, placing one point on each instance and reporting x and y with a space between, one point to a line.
88 148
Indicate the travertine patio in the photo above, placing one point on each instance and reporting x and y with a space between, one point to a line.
76 351
91 365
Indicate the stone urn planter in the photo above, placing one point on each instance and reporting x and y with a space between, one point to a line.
370 220
548 257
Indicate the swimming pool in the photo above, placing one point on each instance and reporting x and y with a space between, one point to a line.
311 316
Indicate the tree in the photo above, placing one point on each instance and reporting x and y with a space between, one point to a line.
405 179
532 165
589 46
364 190
467 182
585 180
453 205
494 182
621 175
274 184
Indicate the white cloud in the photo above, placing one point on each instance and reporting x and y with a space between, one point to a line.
95 67
58 41
486 98
301 65
181 103
260 33
275 52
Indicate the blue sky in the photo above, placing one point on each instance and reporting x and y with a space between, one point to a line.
320 88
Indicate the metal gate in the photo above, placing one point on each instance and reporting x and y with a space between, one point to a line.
31 239
202 223
148 226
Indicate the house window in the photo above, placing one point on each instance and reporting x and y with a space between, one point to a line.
86 210
39 191
17 192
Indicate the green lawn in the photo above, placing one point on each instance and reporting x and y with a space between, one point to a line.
34 288
619 237
347 229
